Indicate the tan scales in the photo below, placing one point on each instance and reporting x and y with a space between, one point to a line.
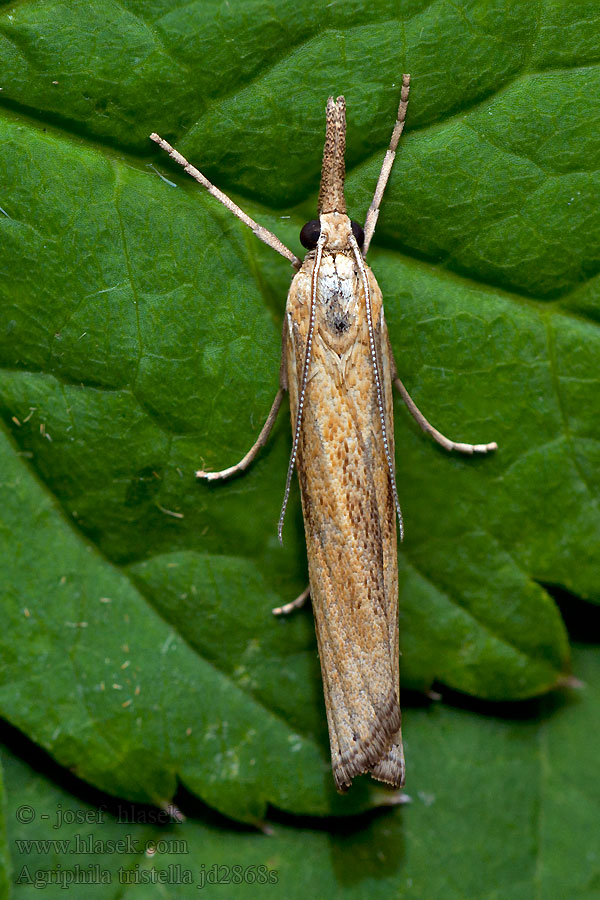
338 367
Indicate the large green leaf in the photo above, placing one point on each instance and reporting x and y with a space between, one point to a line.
5 849
504 807
139 339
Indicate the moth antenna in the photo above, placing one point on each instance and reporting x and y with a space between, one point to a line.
377 376
302 395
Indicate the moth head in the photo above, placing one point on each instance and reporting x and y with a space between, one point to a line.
338 227
333 221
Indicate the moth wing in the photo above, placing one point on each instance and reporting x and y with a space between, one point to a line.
350 526
390 768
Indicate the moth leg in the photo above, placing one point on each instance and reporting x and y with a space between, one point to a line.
260 231
295 604
386 168
252 452
441 439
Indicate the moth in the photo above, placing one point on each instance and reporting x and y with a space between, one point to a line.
338 367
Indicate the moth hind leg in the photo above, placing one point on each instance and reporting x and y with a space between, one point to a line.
294 604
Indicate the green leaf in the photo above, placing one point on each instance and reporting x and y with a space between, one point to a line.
5 849
509 802
139 340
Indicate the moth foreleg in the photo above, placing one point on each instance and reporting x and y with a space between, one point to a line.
252 452
386 168
441 439
260 231
295 604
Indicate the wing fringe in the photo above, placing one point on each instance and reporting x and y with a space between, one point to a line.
380 753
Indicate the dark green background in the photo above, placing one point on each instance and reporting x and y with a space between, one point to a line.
139 340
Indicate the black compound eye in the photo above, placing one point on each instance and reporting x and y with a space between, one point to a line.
358 233
310 234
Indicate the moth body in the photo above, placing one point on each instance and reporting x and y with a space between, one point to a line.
348 507
338 366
